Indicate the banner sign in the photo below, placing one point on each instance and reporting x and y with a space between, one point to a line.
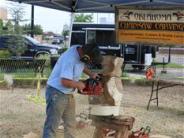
150 26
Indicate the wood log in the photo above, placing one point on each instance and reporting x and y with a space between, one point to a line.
113 88
121 125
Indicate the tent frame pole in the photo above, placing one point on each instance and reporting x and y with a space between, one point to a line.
71 26
32 21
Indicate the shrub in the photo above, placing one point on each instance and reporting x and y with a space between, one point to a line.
5 54
62 50
16 45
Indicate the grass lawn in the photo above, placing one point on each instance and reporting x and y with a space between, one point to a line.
172 65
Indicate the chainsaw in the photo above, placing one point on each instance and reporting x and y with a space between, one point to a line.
93 86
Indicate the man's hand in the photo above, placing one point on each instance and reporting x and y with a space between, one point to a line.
94 75
90 74
80 85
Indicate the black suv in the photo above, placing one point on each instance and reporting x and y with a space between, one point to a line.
34 48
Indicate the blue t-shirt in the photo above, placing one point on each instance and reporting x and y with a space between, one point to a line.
68 66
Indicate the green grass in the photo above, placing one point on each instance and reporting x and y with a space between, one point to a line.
132 78
172 65
1 76
28 74
125 74
1 81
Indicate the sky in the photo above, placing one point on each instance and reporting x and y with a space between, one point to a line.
53 20
49 19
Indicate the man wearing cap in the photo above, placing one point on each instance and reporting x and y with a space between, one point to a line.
61 85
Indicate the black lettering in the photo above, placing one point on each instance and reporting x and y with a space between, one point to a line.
151 26
152 17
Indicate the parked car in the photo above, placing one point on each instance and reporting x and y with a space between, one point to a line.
58 40
33 47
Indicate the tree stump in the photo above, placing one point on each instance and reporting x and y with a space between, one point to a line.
118 126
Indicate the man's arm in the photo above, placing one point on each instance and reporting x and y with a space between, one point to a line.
87 71
73 84
90 73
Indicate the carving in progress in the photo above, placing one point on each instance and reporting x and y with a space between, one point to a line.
104 108
109 102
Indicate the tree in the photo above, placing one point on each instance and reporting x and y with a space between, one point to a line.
83 18
1 26
37 29
66 30
17 14
9 27
6 28
16 45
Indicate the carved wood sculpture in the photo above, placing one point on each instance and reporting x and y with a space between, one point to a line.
105 108
112 85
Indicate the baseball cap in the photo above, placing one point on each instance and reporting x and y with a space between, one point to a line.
93 51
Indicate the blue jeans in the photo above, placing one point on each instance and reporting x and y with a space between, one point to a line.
59 106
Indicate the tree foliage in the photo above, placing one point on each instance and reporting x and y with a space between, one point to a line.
6 28
16 45
1 26
9 28
17 13
37 30
83 18
66 30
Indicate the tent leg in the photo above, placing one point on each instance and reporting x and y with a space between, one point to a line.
32 20
71 26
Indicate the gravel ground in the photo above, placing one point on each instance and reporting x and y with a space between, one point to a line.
166 120
19 116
